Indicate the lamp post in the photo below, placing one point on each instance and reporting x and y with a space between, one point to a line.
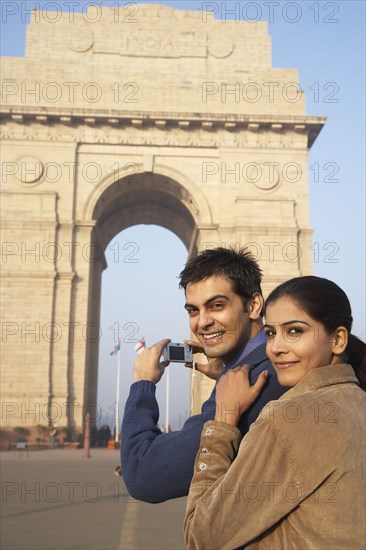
86 449
117 394
167 401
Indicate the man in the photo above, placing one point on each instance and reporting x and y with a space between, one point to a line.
224 303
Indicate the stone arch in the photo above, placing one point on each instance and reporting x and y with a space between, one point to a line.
191 195
140 198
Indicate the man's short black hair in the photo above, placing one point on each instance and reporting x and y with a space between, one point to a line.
238 266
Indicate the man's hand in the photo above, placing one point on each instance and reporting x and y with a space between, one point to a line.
234 394
148 365
213 367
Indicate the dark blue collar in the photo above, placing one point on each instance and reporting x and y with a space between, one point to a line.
243 354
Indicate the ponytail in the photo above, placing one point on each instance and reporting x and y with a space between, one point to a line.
356 356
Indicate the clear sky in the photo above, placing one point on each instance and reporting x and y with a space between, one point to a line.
326 42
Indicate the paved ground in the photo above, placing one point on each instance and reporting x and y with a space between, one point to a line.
57 500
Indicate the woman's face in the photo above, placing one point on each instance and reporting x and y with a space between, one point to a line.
296 343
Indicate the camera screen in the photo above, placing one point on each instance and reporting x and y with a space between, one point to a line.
176 353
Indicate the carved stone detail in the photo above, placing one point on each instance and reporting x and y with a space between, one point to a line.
30 170
135 136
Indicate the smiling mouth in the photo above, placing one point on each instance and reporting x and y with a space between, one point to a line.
213 336
285 364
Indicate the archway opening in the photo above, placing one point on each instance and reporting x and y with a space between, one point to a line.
140 293
140 298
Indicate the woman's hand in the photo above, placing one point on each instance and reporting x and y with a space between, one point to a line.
214 366
234 394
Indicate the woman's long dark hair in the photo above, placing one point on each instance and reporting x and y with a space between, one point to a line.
328 304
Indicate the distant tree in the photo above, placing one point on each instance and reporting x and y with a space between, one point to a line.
67 433
42 432
21 432
104 435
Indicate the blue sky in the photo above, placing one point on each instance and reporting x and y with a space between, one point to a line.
325 41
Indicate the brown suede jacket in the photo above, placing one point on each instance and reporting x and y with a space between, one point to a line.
298 480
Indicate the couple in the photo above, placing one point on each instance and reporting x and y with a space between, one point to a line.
296 479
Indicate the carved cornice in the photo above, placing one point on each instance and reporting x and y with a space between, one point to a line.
25 224
197 129
63 276
42 276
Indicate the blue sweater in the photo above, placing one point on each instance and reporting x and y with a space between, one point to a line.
156 466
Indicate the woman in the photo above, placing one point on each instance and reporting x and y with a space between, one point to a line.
298 479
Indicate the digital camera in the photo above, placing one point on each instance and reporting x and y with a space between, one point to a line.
178 353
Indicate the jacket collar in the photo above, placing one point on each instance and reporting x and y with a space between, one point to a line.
323 377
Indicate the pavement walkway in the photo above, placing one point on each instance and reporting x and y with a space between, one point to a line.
57 500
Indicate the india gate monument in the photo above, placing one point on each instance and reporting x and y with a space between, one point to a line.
142 114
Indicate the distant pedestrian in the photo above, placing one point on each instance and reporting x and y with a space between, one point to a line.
53 432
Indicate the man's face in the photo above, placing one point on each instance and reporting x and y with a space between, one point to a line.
218 318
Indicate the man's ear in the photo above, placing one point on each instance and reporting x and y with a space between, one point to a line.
340 340
255 306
